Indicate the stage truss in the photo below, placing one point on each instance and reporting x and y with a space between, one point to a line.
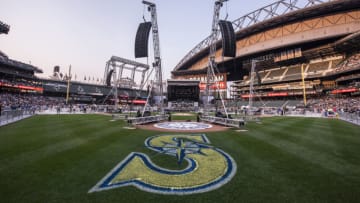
114 68
210 76
156 86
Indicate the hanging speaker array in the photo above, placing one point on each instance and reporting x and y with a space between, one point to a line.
141 40
258 78
228 38
4 28
108 77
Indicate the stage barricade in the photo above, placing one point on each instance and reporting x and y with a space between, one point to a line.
7 117
118 117
223 121
148 119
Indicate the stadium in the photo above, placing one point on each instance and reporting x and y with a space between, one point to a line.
265 109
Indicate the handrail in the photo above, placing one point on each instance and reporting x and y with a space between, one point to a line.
147 119
224 121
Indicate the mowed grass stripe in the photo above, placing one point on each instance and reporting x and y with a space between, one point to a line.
272 166
55 148
41 130
79 167
330 139
71 138
28 137
261 172
62 164
305 133
269 173
289 138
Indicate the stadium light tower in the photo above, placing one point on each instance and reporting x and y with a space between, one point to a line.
68 85
251 88
157 58
210 78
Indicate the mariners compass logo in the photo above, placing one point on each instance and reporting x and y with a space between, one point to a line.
208 167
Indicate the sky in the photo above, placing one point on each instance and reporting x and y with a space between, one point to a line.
86 33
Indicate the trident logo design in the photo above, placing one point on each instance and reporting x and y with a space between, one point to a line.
208 167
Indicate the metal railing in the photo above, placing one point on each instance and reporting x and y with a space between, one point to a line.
223 121
350 117
148 119
10 116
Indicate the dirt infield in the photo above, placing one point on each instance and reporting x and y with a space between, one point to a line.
214 128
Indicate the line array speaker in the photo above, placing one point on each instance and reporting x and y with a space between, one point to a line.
4 28
141 40
108 77
258 78
228 38
56 69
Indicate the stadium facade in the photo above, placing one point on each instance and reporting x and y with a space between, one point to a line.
319 37
19 77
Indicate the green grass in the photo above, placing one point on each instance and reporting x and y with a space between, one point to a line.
59 158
